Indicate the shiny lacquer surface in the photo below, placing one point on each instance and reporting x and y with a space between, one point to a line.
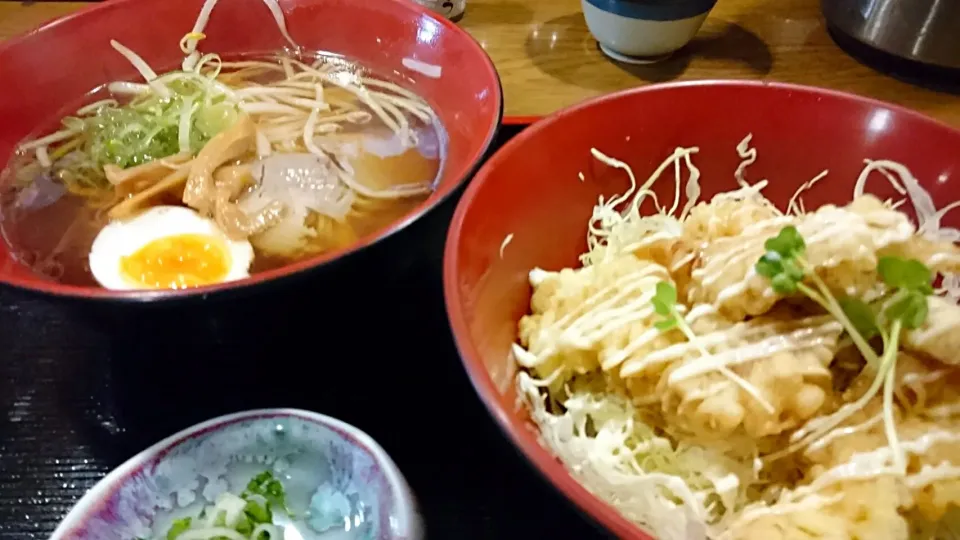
543 184
47 69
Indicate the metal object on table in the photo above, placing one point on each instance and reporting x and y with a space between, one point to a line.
926 31
451 9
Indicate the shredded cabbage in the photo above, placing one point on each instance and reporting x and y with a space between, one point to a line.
612 231
677 492
681 491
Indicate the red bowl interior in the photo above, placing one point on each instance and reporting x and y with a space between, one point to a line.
531 189
54 66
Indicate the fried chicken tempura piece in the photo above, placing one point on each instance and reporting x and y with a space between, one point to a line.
939 256
782 360
931 482
939 335
852 490
582 317
722 217
842 246
855 510
928 429
725 217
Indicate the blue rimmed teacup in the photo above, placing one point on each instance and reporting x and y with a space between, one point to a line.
643 31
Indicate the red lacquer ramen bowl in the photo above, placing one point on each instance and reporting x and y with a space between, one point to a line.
50 68
531 193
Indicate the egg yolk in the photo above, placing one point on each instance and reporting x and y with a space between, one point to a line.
177 262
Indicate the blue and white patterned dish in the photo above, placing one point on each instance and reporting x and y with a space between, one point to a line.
345 485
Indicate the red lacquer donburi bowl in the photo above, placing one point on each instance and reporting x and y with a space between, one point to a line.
50 68
530 189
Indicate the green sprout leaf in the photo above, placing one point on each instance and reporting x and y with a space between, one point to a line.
915 312
784 284
665 304
912 281
665 324
793 271
779 263
908 274
909 280
665 299
784 274
788 243
910 307
861 316
770 265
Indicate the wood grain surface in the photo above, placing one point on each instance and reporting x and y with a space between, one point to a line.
548 60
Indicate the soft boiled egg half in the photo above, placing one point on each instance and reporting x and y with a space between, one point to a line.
167 247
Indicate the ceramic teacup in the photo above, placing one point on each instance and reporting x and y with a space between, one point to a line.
643 31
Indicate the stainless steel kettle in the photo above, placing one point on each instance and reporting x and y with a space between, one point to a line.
925 31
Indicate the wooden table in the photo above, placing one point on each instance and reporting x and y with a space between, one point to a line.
548 59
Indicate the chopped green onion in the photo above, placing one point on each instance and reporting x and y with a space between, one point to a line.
178 527
258 513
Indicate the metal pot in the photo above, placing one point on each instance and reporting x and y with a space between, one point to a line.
926 31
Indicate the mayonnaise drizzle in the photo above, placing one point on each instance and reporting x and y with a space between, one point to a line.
821 228
759 339
875 463
842 432
758 511
930 474
625 301
947 410
801 338
834 235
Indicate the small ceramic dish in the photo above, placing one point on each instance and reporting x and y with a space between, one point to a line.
644 31
339 484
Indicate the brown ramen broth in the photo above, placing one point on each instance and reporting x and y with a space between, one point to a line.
273 159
